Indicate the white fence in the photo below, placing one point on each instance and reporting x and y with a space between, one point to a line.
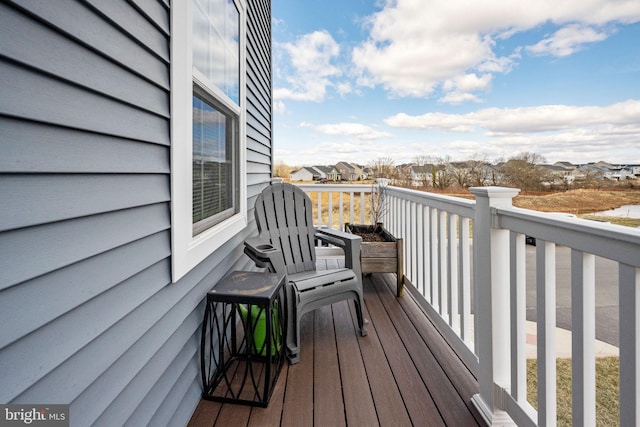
456 273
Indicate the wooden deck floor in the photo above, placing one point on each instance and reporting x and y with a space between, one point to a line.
402 373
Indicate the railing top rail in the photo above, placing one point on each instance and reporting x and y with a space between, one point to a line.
345 188
606 240
443 202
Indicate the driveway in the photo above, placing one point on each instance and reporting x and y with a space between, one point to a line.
606 293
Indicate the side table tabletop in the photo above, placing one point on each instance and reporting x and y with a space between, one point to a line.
243 341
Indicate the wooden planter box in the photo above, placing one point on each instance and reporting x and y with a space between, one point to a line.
380 251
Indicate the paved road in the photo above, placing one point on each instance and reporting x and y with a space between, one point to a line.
606 293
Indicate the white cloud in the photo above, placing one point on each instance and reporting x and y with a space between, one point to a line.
456 98
460 88
357 130
344 88
567 41
331 152
588 132
413 46
279 107
432 121
544 118
310 59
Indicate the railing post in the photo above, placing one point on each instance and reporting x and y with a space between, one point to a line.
491 281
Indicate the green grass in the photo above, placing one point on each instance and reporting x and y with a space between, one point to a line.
607 394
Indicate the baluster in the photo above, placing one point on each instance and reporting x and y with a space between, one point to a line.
340 212
583 336
330 214
546 330
465 267
435 283
454 311
629 294
518 305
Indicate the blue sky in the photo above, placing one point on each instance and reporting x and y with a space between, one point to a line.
359 80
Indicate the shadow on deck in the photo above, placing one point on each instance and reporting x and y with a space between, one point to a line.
402 373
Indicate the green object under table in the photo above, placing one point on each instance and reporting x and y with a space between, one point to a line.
244 312
256 320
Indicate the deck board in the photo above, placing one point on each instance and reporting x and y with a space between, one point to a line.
418 401
359 405
327 384
402 373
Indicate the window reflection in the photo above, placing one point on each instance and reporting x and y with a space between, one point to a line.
216 45
212 161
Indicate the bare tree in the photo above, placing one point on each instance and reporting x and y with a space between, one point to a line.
281 170
461 174
383 167
520 171
480 172
441 173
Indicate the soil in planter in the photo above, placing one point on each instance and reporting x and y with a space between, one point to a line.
370 233
371 237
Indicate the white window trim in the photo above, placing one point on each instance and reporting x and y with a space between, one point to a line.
187 251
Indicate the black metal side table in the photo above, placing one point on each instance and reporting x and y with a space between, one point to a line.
243 343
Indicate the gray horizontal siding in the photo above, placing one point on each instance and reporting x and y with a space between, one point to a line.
71 196
125 396
34 147
84 167
30 252
255 157
156 11
30 95
260 112
70 333
79 22
125 16
41 48
67 288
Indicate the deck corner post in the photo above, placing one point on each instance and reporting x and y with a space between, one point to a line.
492 300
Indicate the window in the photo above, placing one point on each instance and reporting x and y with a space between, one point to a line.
215 138
208 122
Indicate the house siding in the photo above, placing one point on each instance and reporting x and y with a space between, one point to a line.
90 316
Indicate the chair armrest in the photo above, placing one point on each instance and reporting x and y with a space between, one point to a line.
264 254
350 243
336 237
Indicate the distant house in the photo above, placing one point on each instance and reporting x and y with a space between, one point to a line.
329 173
634 170
367 173
420 175
590 171
348 171
619 173
361 171
557 175
119 211
604 165
566 165
305 174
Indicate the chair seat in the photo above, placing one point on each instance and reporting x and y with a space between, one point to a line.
313 279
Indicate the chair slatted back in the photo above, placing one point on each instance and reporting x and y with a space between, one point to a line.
284 216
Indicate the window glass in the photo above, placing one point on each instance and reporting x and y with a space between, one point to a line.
216 44
216 53
214 139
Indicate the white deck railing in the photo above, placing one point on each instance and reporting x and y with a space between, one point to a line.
446 264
